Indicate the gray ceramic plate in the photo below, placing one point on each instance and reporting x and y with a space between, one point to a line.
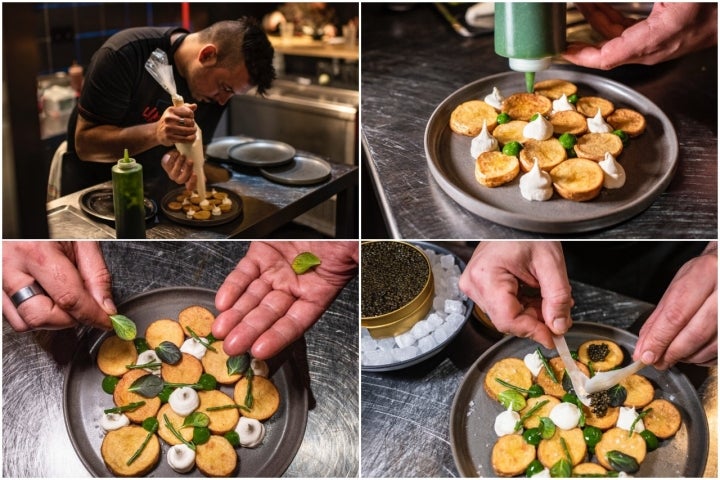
84 398
98 203
473 413
302 170
220 147
650 161
223 218
423 356
261 153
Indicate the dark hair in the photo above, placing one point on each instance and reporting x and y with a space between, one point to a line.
255 48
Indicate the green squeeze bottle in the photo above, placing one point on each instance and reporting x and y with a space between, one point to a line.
529 34
128 198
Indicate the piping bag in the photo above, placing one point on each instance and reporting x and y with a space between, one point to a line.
160 69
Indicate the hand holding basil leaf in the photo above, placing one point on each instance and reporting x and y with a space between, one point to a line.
304 262
124 327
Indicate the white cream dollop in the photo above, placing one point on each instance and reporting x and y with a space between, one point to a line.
565 415
190 212
544 473
226 201
536 185
598 125
494 99
184 401
484 142
204 204
614 173
505 423
250 431
181 458
626 417
149 356
532 360
113 421
562 105
538 129
194 348
216 211
259 367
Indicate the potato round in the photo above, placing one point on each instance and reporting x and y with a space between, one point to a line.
215 363
551 450
216 458
614 357
588 468
114 354
578 179
618 439
588 106
549 154
629 121
176 421
266 398
640 391
198 318
493 169
221 421
603 423
122 396
512 370
164 330
511 455
510 132
468 117
187 370
558 368
555 88
664 420
568 121
119 445
522 106
534 420
594 146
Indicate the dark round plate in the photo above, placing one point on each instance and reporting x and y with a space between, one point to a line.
302 170
471 420
220 147
84 399
261 153
180 217
98 203
650 161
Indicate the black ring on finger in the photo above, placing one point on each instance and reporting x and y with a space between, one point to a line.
26 293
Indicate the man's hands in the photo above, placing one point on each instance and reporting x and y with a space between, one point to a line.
177 125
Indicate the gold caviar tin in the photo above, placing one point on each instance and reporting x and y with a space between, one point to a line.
401 319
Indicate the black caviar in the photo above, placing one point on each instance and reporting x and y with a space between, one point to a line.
393 273
599 403
598 351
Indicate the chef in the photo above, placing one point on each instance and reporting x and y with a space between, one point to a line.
123 106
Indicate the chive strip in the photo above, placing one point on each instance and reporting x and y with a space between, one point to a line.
139 450
567 451
547 366
249 400
637 419
176 433
144 365
226 407
125 408
204 343
511 386
530 412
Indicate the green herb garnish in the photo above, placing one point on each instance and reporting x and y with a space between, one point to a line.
238 364
530 413
140 448
304 262
148 386
168 352
202 341
249 399
124 327
125 408
150 365
533 392
640 416
176 433
511 399
545 363
226 407
196 419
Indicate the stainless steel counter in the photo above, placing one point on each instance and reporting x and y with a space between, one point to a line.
35 441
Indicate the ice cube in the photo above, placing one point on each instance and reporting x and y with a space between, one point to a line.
441 334
405 339
386 344
368 344
378 357
365 333
447 261
405 353
435 320
426 344
420 329
454 306
439 303
454 320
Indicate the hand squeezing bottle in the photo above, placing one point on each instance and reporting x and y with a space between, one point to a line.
529 34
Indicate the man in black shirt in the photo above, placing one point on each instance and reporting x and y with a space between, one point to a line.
122 106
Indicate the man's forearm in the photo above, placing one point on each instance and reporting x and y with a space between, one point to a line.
106 143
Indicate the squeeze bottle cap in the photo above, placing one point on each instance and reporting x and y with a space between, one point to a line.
530 64
126 162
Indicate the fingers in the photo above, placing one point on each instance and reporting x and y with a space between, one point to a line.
604 19
286 329
97 278
177 166
246 299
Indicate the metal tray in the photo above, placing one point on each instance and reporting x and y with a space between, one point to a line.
180 217
219 147
261 153
98 204
473 412
302 170
84 399
438 348
650 161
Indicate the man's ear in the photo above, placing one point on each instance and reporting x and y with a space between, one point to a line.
208 55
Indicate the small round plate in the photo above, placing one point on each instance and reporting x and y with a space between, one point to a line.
180 217
220 147
302 170
98 203
261 153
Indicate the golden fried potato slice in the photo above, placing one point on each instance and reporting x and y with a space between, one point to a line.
187 370
603 423
551 450
550 387
221 421
534 420
578 179
114 354
493 169
176 421
216 457
640 391
619 439
664 420
568 121
594 146
202 215
511 455
522 106
198 318
215 363
555 88
629 121
614 357
549 154
588 106
588 468
122 396
511 370
511 131
266 398
164 330
119 445
468 117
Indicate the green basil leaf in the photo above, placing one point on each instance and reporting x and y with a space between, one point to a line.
547 428
196 419
238 364
561 469
150 424
304 262
200 435
617 395
512 399
141 344
233 437
148 386
622 462
207 382
124 327
168 352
